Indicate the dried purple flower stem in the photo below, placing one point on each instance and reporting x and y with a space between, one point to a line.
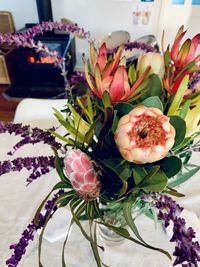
28 234
29 136
187 251
38 165
194 84
136 45
25 38
77 77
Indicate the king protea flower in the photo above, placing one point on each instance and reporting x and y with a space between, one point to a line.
80 171
144 135
110 75
182 55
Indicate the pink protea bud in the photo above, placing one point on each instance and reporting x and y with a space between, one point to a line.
80 171
144 135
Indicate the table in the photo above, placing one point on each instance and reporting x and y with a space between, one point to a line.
18 204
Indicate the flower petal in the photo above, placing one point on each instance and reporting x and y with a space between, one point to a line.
175 46
102 57
117 86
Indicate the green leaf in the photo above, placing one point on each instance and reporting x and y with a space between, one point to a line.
171 165
62 185
153 101
180 127
178 96
174 192
95 248
132 74
66 140
115 122
185 108
106 100
181 178
127 211
43 229
167 57
120 167
123 232
138 174
154 85
64 244
155 182
123 189
59 167
123 108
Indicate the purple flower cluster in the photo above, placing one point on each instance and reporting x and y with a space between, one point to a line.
39 166
136 45
77 77
26 38
194 84
29 136
28 234
187 251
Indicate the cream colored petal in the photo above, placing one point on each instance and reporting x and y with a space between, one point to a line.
138 111
123 120
122 140
169 143
166 126
126 154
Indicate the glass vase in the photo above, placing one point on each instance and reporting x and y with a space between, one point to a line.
108 236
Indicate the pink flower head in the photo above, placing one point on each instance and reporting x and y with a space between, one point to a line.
110 74
182 55
80 171
144 135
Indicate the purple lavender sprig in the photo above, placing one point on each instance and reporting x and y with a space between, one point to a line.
25 38
187 251
136 45
38 165
29 136
77 77
28 234
194 83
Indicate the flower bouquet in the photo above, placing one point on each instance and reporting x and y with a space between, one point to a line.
127 143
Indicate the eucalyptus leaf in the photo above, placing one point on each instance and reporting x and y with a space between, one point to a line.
123 108
153 101
171 165
138 173
156 183
120 167
154 85
180 127
181 178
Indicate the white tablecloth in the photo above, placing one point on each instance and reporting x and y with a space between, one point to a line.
18 204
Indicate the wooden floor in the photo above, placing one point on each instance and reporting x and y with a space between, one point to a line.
7 107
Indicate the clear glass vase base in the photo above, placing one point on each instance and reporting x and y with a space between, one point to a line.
109 237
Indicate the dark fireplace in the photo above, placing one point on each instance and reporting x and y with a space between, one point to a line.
35 74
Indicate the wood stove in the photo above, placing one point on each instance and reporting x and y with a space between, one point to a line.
35 74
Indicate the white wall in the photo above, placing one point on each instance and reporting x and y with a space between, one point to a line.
173 16
103 16
23 11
